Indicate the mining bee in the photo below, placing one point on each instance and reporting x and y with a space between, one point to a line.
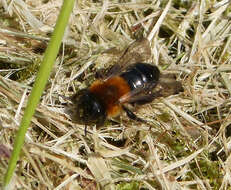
130 81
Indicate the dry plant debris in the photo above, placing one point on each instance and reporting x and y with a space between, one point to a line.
187 144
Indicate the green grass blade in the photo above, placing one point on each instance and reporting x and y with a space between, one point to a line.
39 85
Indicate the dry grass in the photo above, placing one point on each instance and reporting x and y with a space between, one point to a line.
187 144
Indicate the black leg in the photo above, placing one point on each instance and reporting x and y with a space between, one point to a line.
100 73
85 130
132 116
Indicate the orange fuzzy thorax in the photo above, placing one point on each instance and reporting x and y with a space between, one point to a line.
109 92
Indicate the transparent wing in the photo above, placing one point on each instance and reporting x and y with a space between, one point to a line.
138 51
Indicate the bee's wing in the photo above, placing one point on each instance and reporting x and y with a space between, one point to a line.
138 51
166 86
169 85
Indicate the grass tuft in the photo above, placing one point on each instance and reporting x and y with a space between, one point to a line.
187 142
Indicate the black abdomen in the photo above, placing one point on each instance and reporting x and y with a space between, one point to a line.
140 74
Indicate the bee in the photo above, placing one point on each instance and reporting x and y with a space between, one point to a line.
130 81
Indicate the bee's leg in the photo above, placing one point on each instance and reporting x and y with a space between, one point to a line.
85 130
100 74
132 116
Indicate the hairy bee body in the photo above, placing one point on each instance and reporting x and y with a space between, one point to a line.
128 81
104 99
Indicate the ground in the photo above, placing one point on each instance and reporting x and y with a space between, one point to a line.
186 142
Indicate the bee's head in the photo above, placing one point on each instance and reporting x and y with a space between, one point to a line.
87 109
